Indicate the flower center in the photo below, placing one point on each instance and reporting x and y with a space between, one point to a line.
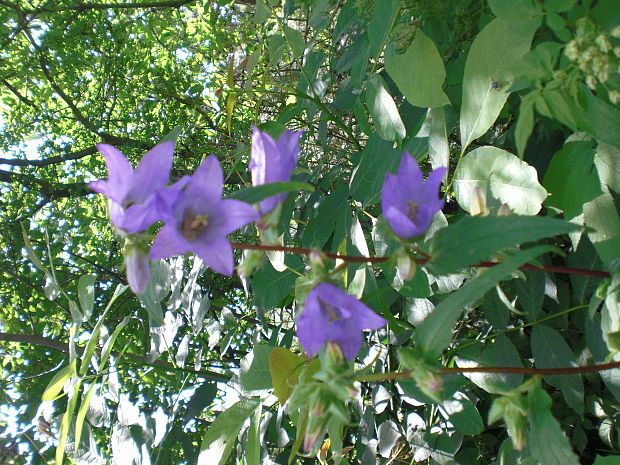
412 207
193 224
333 312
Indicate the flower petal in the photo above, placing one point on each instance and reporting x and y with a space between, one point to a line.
236 214
120 173
169 243
138 270
152 172
263 151
207 181
216 254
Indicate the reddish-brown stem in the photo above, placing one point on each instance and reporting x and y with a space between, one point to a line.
498 369
419 261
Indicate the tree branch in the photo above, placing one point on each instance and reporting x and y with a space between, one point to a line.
35 339
51 160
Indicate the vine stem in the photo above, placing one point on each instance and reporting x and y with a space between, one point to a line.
497 369
419 261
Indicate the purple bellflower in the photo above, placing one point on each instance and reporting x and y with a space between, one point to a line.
408 202
131 192
329 314
198 220
273 162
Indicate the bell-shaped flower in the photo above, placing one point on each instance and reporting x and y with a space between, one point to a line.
198 220
138 268
273 161
408 202
132 206
329 314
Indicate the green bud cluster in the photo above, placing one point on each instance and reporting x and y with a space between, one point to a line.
593 53
322 398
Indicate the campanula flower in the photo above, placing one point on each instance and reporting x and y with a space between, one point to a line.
138 268
329 314
273 161
408 202
131 192
198 220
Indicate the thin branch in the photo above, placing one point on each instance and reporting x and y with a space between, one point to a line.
51 160
496 369
419 261
35 339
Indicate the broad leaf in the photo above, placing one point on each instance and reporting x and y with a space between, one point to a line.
473 239
418 72
488 73
383 110
435 332
221 434
501 176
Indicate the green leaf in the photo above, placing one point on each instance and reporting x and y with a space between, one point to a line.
285 367
488 73
202 398
435 332
57 382
499 175
174 133
295 40
525 122
607 162
252 449
559 5
514 10
377 159
418 72
222 433
601 215
86 294
570 179
383 110
464 415
547 442
473 239
255 374
255 194
379 26
262 12
608 460
604 120
438 147
271 286
328 215
550 350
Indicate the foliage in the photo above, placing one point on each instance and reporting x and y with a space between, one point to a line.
503 316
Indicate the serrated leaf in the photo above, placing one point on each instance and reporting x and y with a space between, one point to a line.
501 176
255 194
271 286
435 332
601 215
607 162
525 122
295 41
488 73
419 72
474 239
464 415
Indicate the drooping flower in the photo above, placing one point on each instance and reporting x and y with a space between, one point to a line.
198 220
408 202
273 162
131 191
329 314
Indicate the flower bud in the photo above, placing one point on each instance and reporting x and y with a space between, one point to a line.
504 210
251 260
138 267
405 265
512 409
333 353
478 203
